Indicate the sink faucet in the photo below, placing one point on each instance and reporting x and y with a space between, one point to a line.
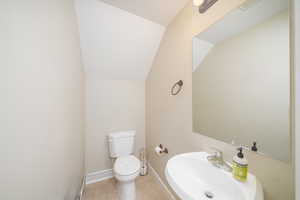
217 160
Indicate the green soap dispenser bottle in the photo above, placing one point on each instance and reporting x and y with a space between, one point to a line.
240 166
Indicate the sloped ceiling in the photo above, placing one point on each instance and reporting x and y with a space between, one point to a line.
116 44
159 11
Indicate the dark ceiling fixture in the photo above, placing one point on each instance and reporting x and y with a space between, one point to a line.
204 5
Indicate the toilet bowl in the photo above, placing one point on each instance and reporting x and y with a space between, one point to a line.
126 166
126 170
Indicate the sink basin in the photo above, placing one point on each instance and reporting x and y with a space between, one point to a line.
192 177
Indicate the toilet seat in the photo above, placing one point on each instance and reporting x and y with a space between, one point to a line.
127 165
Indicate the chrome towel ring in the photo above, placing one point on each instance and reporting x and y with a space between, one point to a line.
177 87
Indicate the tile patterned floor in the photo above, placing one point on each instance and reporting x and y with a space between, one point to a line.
147 189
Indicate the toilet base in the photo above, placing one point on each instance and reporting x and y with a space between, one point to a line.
126 190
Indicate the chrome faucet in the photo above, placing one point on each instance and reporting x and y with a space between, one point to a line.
217 160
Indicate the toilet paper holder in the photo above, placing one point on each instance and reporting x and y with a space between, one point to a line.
163 149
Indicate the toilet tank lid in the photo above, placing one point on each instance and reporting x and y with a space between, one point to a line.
121 134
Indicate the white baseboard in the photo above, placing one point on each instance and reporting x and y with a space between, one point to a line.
159 180
99 176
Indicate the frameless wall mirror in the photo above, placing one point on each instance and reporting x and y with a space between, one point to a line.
241 78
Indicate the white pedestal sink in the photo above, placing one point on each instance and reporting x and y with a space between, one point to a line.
192 177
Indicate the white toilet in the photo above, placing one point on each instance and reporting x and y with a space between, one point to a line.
126 166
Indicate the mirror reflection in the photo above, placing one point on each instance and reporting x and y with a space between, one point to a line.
241 78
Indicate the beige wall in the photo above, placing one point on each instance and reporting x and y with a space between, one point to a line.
245 89
169 118
111 105
41 95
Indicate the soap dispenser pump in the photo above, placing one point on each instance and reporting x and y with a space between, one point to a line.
240 166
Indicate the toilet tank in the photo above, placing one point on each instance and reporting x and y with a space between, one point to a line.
121 143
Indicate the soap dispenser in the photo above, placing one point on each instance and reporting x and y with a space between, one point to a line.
240 166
